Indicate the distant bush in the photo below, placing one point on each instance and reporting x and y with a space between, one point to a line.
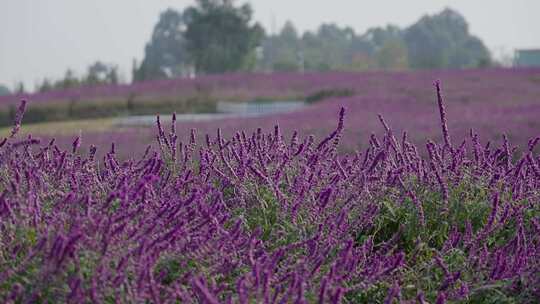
328 93
99 108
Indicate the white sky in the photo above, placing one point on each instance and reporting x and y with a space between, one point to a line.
42 38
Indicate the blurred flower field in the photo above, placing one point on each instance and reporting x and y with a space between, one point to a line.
491 102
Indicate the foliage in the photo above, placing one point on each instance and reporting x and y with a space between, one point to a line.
69 81
220 36
443 41
98 73
392 55
165 54
439 41
329 47
329 93
280 51
334 48
20 88
214 36
4 90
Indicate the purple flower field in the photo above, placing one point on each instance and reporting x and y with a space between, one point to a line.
509 84
492 102
264 214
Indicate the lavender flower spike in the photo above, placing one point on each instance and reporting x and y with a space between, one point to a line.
442 113
18 118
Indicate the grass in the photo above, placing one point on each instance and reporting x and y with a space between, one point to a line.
65 127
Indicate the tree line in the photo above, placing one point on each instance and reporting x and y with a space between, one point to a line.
215 36
219 36
98 73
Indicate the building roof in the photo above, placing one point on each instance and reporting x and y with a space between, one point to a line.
527 58
528 50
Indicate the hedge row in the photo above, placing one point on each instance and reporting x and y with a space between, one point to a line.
142 105
82 109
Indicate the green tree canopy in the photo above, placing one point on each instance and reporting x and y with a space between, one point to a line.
45 86
377 37
4 90
333 47
216 36
101 73
69 81
98 73
220 36
165 55
280 51
392 55
443 41
335 42
20 88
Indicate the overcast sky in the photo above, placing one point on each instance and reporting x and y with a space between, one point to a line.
42 38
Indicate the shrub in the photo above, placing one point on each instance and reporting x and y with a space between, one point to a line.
328 93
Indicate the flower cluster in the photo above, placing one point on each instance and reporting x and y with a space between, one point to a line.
269 218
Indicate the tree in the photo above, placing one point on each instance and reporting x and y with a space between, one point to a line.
281 49
19 88
45 86
385 47
362 61
335 42
392 55
4 90
289 34
134 70
220 37
112 75
328 48
166 54
333 47
97 74
69 81
101 73
377 37
444 41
